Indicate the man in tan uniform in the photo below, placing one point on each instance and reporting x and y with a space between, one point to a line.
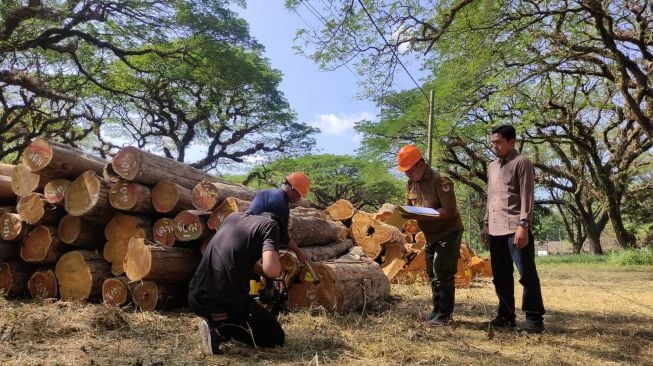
507 230
427 188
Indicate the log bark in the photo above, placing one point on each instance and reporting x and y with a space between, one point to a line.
207 195
163 232
190 225
117 291
372 235
35 210
150 295
12 228
170 198
13 278
23 181
109 174
59 160
43 284
87 197
74 231
118 232
42 246
341 210
7 195
344 287
130 196
80 275
8 250
146 261
7 209
55 191
133 164
385 211
226 208
328 251
311 231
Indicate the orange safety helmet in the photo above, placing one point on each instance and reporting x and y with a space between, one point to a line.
300 182
408 156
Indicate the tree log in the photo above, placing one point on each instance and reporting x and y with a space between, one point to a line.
8 250
394 259
190 225
74 231
130 196
207 195
344 286
311 231
59 160
42 246
35 210
146 261
171 198
55 190
87 197
6 169
385 211
23 181
163 232
117 291
415 269
133 164
341 210
7 209
150 295
226 208
43 284
109 174
80 275
372 235
420 241
13 278
12 228
7 195
328 251
119 231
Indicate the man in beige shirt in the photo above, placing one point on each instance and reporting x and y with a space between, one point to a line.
427 188
507 230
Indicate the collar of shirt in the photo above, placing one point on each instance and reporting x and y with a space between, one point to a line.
428 175
511 156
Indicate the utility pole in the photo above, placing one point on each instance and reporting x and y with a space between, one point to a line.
429 142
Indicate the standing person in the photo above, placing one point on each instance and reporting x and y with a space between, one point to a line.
428 188
219 289
278 200
507 229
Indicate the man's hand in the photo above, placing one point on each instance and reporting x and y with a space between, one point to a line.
295 248
521 237
485 237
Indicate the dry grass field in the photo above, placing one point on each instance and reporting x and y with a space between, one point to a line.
597 315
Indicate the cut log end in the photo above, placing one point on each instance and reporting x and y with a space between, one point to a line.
115 292
31 208
83 193
23 181
165 196
43 285
37 155
37 245
74 277
204 196
12 227
55 190
127 162
163 231
139 261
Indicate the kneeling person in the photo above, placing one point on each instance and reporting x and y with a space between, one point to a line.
219 289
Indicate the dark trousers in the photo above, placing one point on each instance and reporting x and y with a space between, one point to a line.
441 266
504 253
247 322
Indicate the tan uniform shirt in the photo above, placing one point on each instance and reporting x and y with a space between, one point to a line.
435 191
510 194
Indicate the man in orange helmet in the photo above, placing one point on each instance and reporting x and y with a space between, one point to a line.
428 188
278 202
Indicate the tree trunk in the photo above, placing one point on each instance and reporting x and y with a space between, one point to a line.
73 231
43 284
55 191
7 195
311 231
8 250
80 274
163 232
207 195
13 278
133 164
87 197
344 286
116 291
190 225
23 181
226 208
12 228
150 295
130 196
328 251
384 212
118 232
42 246
59 160
625 238
170 198
341 210
35 210
372 235
146 261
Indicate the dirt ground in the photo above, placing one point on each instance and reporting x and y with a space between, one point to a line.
596 315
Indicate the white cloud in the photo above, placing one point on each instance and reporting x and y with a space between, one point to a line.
332 124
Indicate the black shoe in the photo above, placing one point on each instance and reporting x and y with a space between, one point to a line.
503 322
429 316
439 320
533 326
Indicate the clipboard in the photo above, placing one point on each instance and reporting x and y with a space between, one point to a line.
398 221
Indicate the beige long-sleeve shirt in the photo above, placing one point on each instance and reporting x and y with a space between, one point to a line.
510 193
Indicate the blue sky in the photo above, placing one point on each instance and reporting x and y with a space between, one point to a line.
326 100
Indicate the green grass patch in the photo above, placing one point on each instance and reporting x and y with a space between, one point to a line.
630 257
